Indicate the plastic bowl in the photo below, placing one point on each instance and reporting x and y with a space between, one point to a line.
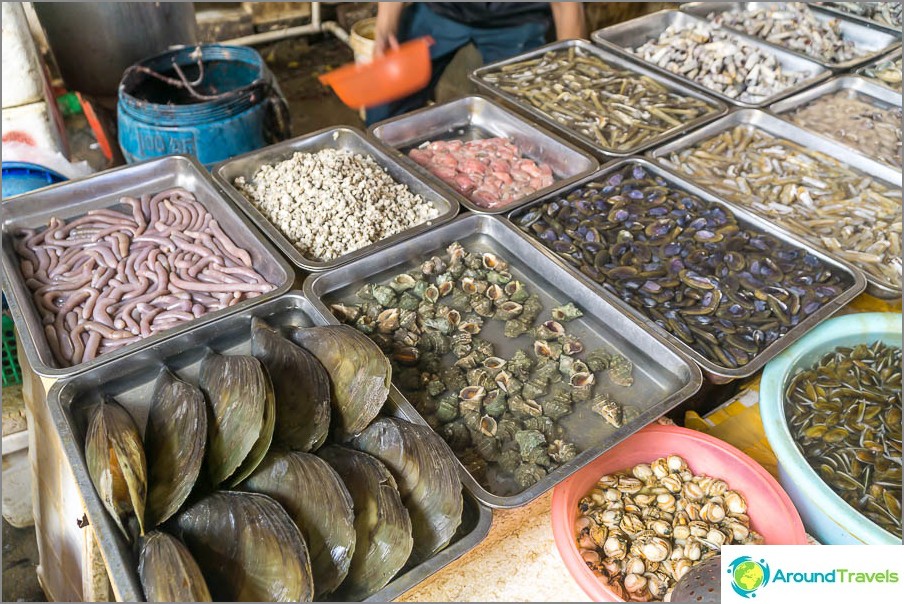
826 515
771 512
22 177
393 76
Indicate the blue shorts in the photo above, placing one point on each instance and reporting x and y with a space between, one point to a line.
494 44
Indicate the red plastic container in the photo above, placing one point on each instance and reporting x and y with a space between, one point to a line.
770 509
395 75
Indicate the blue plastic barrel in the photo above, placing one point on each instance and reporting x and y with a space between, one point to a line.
21 177
234 107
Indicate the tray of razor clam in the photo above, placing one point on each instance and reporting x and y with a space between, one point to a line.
526 373
843 202
832 40
257 458
852 111
739 69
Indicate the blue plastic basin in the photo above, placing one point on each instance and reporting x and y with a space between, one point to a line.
826 515
22 177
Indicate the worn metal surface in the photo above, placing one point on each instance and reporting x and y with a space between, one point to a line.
131 381
340 137
618 60
783 129
103 190
714 372
477 117
873 40
663 377
634 33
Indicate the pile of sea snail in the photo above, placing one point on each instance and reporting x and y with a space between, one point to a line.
723 288
499 415
642 530
844 413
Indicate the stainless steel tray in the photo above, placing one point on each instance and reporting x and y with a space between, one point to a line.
103 190
835 11
783 129
341 137
663 378
636 32
618 60
131 381
714 372
892 55
873 39
477 117
879 94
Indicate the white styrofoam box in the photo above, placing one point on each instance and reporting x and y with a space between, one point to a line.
23 78
17 509
34 125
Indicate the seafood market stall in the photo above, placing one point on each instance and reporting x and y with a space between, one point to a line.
370 365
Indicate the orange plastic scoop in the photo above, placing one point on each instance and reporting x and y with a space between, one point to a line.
395 75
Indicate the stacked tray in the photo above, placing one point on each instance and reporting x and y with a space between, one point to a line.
344 138
617 61
852 281
663 378
131 381
476 118
873 40
70 200
624 37
885 175
853 86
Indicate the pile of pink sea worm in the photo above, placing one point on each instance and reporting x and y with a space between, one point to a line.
491 172
109 278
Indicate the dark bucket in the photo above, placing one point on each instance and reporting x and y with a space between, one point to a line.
210 101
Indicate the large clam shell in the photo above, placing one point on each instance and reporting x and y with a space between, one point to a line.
301 386
242 415
317 500
168 572
248 548
116 463
427 476
174 442
382 524
359 373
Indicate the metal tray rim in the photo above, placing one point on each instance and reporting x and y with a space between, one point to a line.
820 72
373 148
694 383
98 516
891 55
761 119
11 275
831 9
444 187
716 373
719 106
691 9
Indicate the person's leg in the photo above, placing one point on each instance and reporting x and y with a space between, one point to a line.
498 43
448 36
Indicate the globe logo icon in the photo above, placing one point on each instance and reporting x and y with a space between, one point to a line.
748 575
